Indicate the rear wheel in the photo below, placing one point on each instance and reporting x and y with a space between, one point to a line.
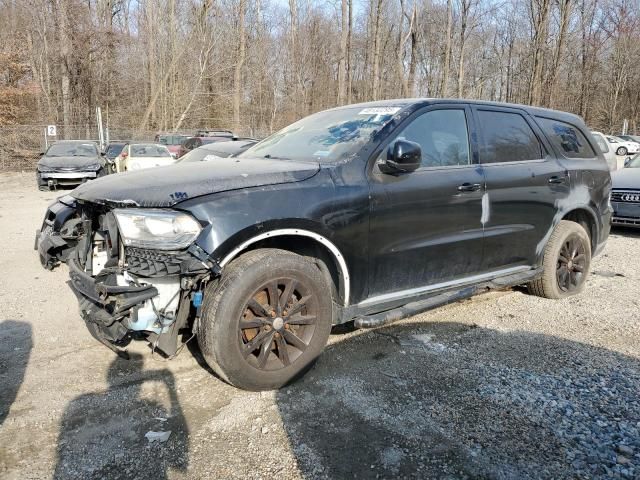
566 262
621 151
267 320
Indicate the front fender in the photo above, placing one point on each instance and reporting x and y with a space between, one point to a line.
314 208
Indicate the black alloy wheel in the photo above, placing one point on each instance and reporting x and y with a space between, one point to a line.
267 319
565 263
572 263
277 323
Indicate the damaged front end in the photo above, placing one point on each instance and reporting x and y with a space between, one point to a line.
126 288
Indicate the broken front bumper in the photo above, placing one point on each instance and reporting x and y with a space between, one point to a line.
57 236
124 293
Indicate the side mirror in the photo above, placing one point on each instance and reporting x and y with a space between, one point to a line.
124 154
102 154
627 161
403 157
174 155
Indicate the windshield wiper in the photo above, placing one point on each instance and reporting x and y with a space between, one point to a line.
268 155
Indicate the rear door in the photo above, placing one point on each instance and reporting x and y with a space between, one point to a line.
425 226
525 182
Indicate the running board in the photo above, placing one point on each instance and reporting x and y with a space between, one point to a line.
413 308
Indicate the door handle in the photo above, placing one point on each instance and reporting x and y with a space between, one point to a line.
556 179
469 187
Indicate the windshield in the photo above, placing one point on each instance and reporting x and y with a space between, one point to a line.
170 139
634 162
150 150
72 150
327 136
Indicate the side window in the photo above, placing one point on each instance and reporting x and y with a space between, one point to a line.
567 138
442 135
602 143
507 138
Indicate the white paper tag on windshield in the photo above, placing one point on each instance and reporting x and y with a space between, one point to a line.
206 158
379 111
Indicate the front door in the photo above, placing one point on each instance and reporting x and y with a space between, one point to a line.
426 226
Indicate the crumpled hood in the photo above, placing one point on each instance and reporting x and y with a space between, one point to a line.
68 162
167 186
626 178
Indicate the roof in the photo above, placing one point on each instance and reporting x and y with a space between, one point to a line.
422 102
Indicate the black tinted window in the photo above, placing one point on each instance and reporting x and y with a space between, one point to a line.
507 138
567 138
442 135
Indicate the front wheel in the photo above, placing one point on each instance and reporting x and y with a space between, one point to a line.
566 262
266 320
621 151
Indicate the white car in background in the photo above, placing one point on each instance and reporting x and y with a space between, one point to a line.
137 156
609 155
622 147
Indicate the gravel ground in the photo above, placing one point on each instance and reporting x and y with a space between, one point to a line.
504 386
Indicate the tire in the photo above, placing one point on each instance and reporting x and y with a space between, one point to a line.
42 185
251 340
560 279
621 151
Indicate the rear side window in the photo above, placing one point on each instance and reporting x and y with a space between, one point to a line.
567 138
602 143
442 135
507 138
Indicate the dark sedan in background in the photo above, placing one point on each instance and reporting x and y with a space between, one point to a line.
69 163
625 194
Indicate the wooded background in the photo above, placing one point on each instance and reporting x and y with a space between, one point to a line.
257 65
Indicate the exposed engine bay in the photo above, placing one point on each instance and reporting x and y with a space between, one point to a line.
125 292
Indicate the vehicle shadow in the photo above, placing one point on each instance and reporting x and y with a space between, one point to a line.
102 435
626 232
452 400
15 349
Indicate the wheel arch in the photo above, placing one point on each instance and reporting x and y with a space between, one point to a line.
587 219
304 242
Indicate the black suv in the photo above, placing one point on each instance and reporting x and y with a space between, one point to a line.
366 213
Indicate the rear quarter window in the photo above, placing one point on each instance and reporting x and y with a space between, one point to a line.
567 138
602 143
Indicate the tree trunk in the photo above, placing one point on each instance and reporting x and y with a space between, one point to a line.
447 52
377 40
565 14
237 77
343 61
64 62
540 15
